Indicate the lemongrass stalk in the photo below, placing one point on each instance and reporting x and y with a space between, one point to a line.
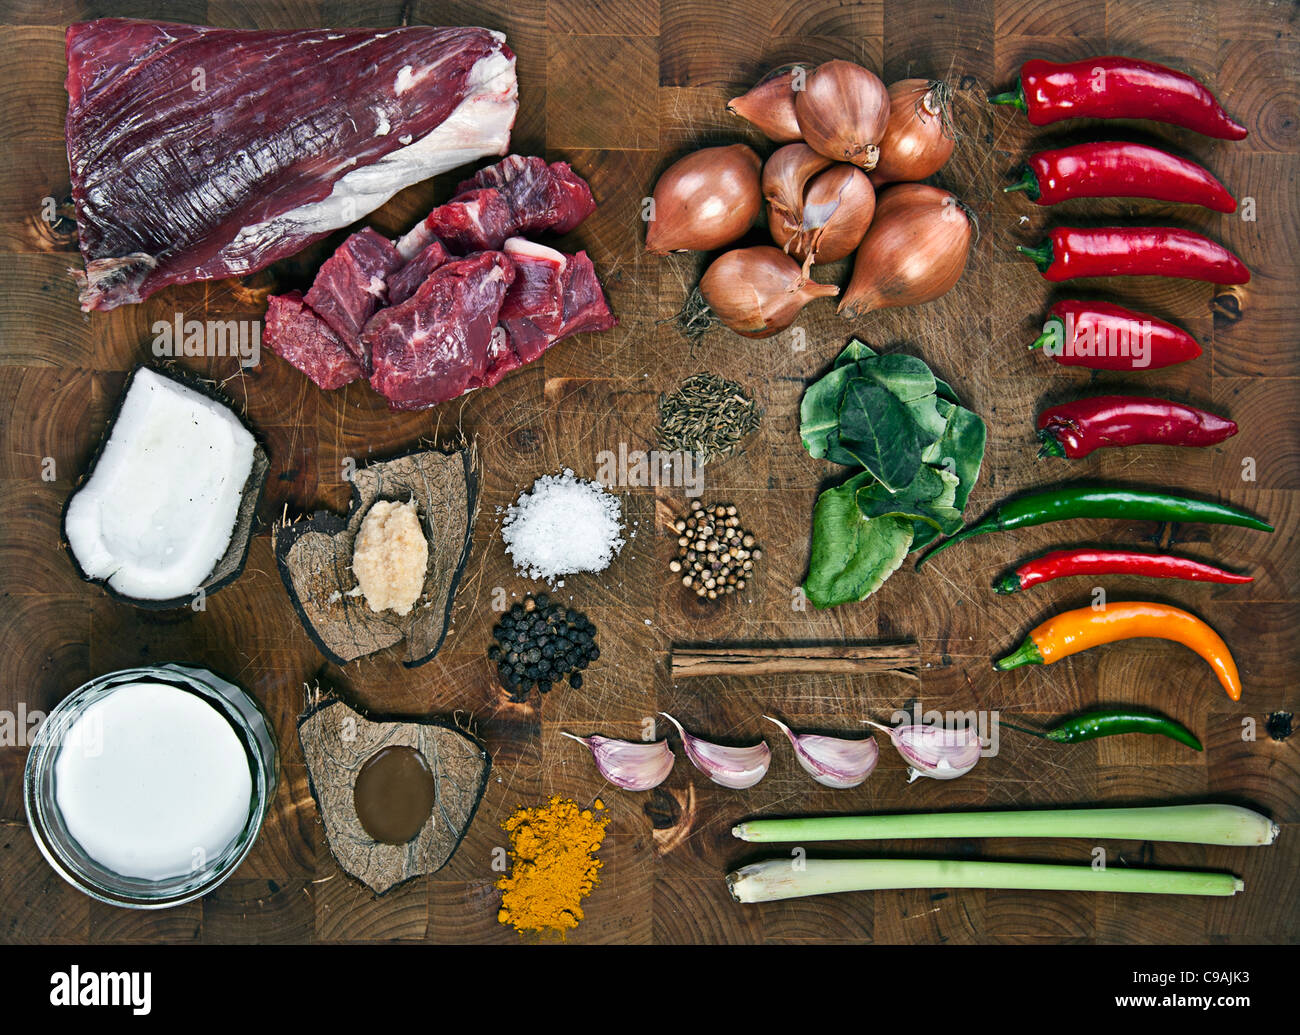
777 879
1186 824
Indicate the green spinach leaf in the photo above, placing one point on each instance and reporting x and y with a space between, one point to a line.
960 450
819 413
921 452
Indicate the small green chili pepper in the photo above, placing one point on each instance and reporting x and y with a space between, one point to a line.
1101 502
1091 725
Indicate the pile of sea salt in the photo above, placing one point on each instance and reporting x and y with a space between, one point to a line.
564 525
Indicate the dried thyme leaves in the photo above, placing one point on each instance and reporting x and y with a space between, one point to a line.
708 416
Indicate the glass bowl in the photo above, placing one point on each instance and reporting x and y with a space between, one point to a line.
71 861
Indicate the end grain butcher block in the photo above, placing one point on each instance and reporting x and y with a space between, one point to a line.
619 91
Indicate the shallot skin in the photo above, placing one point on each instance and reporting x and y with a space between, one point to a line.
838 210
786 175
843 111
759 291
705 200
915 250
918 139
769 106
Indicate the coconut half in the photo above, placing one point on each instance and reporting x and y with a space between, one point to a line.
315 557
166 509
337 741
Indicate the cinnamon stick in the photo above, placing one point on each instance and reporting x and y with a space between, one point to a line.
727 660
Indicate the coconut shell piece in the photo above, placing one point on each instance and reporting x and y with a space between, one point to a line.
314 556
337 741
231 564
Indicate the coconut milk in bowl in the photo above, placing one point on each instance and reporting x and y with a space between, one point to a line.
146 788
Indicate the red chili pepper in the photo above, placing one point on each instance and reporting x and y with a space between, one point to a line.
1063 563
1075 429
1134 251
1120 170
1102 336
1118 88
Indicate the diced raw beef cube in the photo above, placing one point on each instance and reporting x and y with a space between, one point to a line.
299 336
438 344
404 283
501 357
554 295
550 197
516 196
350 286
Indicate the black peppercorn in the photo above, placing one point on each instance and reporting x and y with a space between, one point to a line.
540 643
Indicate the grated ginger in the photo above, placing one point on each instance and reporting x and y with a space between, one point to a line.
390 556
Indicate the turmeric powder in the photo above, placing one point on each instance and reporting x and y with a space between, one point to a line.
553 865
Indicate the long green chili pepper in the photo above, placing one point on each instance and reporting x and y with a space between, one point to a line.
1091 725
1101 502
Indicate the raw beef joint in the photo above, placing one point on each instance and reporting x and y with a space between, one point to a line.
197 153
514 197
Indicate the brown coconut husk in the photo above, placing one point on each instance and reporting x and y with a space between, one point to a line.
314 556
338 740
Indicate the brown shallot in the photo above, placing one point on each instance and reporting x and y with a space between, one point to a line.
914 251
769 104
837 211
785 181
706 200
919 137
759 291
843 110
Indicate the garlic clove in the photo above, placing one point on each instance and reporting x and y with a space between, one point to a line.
832 761
734 767
630 764
933 751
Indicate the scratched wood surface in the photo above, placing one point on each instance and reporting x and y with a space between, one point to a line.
620 88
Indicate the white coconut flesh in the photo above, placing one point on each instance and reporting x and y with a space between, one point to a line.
158 512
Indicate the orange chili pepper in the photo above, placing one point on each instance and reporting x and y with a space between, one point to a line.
1073 631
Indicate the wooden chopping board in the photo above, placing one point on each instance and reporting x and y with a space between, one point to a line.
620 89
